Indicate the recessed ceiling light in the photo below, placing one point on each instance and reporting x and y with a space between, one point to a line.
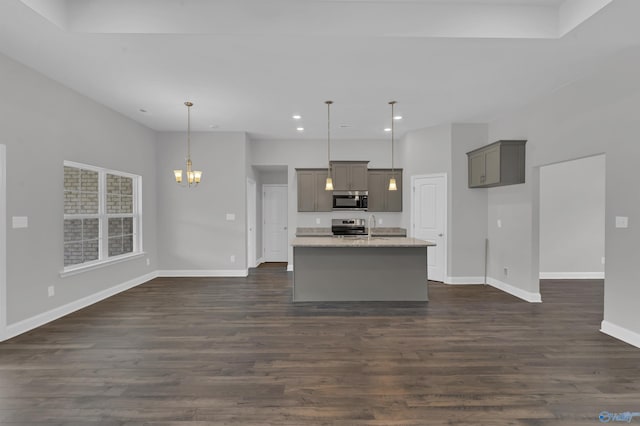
345 126
300 129
213 126
397 117
144 111
296 117
388 129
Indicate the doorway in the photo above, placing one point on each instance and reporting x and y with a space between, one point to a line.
275 222
251 223
572 219
429 219
3 242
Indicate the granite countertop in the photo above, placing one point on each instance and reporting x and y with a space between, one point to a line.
359 242
326 232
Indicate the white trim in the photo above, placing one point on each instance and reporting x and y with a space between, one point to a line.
464 280
620 333
85 267
259 261
203 273
46 317
289 267
515 291
571 275
3 242
446 213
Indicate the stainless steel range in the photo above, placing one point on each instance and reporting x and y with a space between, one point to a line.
348 227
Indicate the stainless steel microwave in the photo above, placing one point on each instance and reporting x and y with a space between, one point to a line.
350 200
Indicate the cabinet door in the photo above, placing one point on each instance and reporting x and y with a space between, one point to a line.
476 169
394 198
341 177
359 175
377 199
324 198
492 165
306 191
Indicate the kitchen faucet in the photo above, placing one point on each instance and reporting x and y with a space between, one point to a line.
369 228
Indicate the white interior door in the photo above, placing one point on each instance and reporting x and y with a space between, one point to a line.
429 220
251 223
274 214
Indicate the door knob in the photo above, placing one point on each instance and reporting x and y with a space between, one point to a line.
440 235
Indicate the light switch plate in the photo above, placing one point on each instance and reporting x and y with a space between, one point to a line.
20 221
622 222
317 221
231 216
499 223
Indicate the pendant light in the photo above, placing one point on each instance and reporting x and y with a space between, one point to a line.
392 180
329 184
193 176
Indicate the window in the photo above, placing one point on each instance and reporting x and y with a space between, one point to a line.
101 215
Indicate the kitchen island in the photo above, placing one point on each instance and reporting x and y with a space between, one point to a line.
359 269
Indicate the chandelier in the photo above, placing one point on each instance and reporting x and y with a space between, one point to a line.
193 176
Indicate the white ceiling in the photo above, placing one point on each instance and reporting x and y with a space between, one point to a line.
248 65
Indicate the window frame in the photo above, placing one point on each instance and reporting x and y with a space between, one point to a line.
103 220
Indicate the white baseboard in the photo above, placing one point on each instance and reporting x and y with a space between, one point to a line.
203 273
515 291
289 267
620 333
464 280
571 275
28 324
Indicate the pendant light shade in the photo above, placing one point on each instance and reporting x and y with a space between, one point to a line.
329 183
193 176
392 181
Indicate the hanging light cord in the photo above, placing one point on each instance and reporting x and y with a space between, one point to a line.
189 105
329 134
392 103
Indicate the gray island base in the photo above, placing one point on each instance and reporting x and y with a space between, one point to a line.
342 269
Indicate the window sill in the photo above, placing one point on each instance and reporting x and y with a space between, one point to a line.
84 268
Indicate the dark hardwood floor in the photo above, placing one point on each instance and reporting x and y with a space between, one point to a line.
235 351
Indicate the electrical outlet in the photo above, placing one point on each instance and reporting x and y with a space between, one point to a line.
506 270
233 258
380 221
51 290
602 260
148 261
499 223
317 221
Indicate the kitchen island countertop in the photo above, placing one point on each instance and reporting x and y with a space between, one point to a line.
375 241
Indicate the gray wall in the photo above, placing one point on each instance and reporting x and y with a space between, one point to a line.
194 233
443 149
594 116
44 123
572 208
468 230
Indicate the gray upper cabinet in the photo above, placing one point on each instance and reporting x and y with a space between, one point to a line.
380 198
350 175
312 197
497 164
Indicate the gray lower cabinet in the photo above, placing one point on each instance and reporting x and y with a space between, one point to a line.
380 198
350 175
312 197
497 164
